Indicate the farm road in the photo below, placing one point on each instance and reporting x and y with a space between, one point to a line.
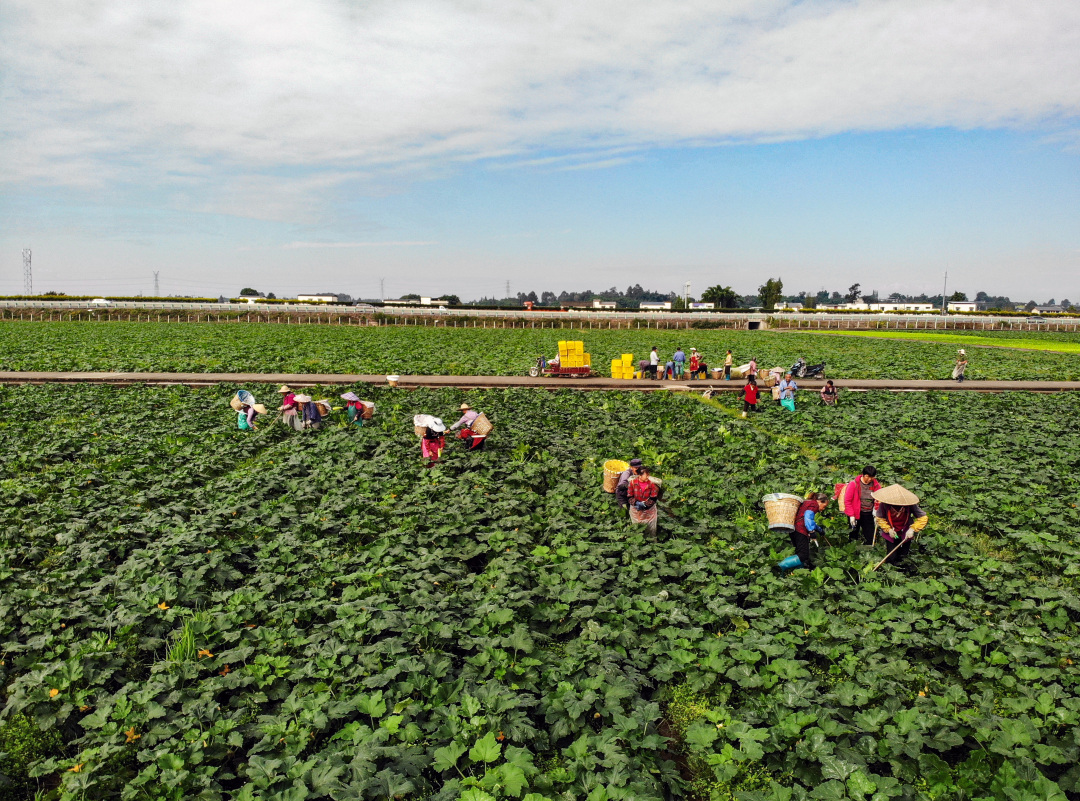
503 382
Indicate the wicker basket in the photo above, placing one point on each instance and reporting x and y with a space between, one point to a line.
781 509
368 410
613 468
481 426
236 404
392 380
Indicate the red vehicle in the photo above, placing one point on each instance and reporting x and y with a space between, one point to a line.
544 367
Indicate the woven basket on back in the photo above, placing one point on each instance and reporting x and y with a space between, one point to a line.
781 509
613 468
481 425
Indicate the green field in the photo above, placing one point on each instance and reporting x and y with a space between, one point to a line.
189 611
241 348
1059 343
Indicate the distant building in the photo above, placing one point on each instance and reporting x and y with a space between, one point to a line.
1048 310
603 304
795 306
647 306
325 297
884 307
962 306
702 305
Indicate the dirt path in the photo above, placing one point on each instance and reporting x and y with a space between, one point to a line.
503 382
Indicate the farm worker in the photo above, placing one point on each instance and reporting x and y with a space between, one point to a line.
641 491
307 413
654 361
354 408
468 417
433 442
807 526
859 504
750 392
829 393
728 361
622 487
679 361
961 365
698 368
751 368
245 418
899 517
289 415
788 387
669 369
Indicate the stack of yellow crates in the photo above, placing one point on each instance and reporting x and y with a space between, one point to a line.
624 367
572 354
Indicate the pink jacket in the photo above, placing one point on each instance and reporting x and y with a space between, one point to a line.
851 496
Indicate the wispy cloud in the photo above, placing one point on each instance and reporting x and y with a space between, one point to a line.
296 245
232 106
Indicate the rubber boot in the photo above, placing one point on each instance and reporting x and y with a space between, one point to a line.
790 563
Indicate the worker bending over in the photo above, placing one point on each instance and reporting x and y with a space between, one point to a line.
474 440
899 518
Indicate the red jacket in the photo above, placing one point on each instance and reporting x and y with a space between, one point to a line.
750 393
852 504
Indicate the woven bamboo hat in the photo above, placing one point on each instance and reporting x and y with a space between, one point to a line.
437 425
895 495
284 388
302 398
464 407
350 396
260 408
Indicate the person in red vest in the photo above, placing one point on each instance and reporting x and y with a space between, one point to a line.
899 518
750 393
807 527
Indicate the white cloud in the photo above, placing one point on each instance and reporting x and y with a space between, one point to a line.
299 245
160 93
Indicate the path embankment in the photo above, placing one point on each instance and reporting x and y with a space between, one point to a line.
502 382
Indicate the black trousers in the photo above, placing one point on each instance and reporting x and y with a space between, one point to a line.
865 526
901 554
801 543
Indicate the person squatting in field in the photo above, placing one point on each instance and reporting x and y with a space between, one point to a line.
829 393
622 486
474 440
899 518
859 504
807 527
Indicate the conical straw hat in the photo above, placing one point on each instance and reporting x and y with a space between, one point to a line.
895 495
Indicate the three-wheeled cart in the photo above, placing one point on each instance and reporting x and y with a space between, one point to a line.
545 368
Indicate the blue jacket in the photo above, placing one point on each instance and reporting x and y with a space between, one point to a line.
679 356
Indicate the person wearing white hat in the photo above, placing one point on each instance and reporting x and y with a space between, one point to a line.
433 441
307 413
698 368
899 518
961 365
354 408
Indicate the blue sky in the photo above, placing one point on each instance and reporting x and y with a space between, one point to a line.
452 147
